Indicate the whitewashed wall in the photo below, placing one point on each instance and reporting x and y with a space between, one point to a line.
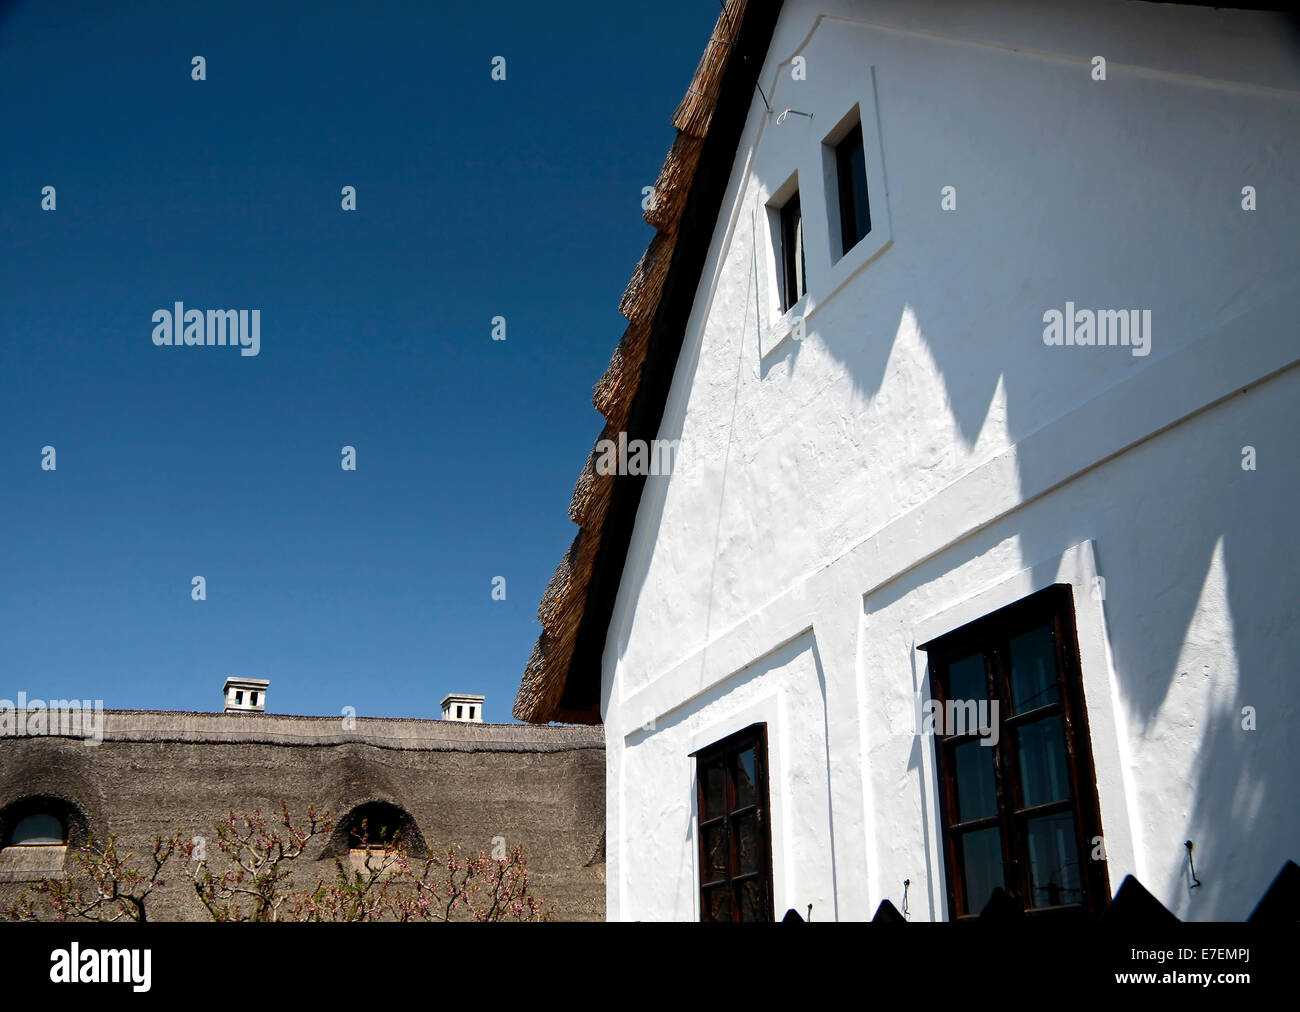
921 457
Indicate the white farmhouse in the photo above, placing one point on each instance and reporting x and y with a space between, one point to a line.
977 569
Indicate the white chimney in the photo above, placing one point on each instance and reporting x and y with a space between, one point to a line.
245 695
458 706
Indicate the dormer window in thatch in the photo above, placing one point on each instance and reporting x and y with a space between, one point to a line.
375 826
35 834
41 829
372 833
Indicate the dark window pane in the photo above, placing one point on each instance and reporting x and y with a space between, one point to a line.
792 255
1054 872
966 679
801 283
981 860
748 842
717 903
715 852
715 779
1025 658
734 834
1044 775
858 169
977 795
855 208
746 790
1033 670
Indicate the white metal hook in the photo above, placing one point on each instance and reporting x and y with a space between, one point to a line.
781 116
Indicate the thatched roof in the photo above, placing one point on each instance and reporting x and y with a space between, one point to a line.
392 733
561 681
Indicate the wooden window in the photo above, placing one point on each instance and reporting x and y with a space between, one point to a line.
734 832
851 174
794 281
1021 814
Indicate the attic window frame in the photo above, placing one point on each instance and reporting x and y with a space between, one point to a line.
847 259
851 192
788 236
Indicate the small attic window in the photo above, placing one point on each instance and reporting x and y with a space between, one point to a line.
239 696
252 698
471 713
857 211
785 227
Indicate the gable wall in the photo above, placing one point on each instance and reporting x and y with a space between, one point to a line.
921 445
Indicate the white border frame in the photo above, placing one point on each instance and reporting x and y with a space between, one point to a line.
1076 566
770 710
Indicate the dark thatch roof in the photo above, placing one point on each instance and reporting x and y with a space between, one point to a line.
562 679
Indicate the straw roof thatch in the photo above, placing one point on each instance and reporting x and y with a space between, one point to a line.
603 505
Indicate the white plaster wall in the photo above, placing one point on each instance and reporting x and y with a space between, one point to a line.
922 444
659 836
1198 620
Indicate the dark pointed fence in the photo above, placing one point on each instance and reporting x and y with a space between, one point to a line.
1133 905
1282 901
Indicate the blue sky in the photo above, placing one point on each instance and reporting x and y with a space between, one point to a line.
475 198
